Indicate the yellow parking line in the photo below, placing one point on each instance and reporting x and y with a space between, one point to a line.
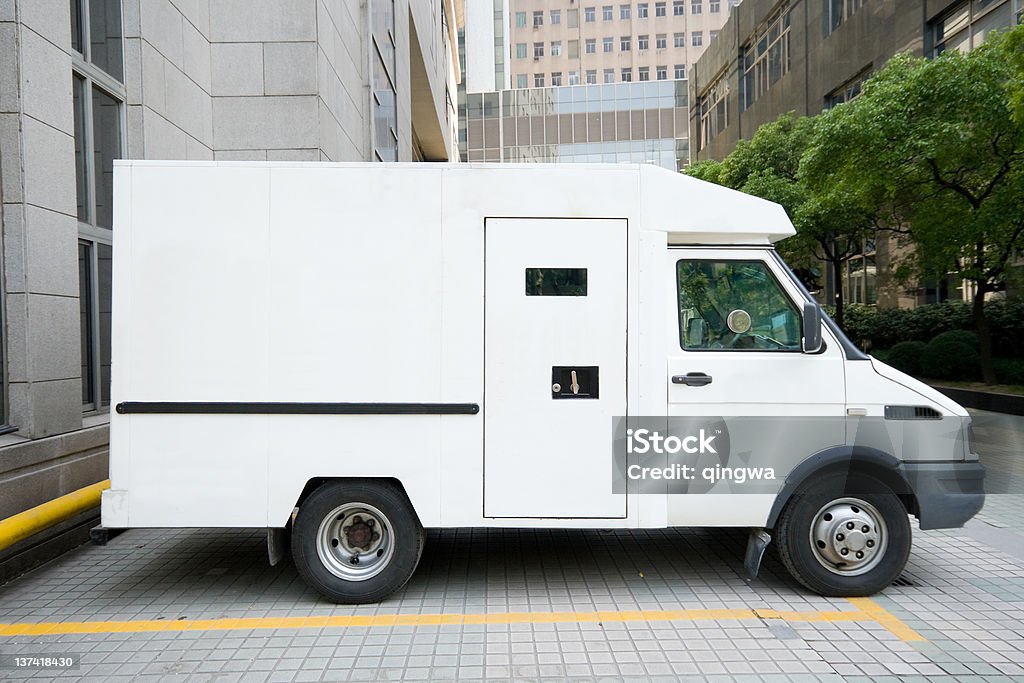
887 619
866 610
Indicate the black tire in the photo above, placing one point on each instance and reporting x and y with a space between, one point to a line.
399 526
800 557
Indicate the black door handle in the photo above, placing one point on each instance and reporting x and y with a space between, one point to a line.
692 379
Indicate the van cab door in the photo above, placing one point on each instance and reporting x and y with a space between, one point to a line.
735 352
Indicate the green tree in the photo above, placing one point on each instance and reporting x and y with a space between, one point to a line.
830 227
938 144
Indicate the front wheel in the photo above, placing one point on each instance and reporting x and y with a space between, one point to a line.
844 535
356 542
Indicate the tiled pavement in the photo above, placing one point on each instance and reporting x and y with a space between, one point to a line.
963 594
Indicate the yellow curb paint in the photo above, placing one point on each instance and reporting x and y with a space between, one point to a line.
25 524
890 621
867 611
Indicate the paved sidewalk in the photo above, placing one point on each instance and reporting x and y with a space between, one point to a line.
960 612
529 605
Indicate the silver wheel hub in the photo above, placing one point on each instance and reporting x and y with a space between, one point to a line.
355 541
848 536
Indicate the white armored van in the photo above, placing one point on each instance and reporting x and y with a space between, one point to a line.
351 353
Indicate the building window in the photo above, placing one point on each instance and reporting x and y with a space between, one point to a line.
626 76
522 80
520 19
659 9
966 26
556 17
696 6
847 91
520 50
662 72
624 11
697 38
679 40
678 8
556 48
680 72
589 14
838 11
625 43
765 58
714 7
574 49
609 75
590 46
591 76
574 78
606 12
556 78
572 18
538 18
538 50
643 42
642 10
97 103
660 41
608 44
712 35
645 73
714 112
538 80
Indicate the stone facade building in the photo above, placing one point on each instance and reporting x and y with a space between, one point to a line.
84 82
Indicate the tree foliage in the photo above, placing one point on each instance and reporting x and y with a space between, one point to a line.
830 228
937 146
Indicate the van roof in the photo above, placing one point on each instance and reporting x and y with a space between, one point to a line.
689 210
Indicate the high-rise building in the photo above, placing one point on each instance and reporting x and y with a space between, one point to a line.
573 42
84 82
579 82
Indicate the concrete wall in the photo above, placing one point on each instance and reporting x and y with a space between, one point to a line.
40 228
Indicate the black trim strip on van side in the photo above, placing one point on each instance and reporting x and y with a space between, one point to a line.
241 408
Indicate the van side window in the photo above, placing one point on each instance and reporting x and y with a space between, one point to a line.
556 282
734 305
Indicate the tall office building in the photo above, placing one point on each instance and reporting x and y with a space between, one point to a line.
84 82
570 42
578 82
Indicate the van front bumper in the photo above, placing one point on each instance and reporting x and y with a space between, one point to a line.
948 493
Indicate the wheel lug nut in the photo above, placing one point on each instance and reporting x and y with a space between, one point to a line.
850 525
840 537
844 551
860 555
871 544
865 528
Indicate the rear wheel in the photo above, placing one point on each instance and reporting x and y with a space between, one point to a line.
844 535
356 541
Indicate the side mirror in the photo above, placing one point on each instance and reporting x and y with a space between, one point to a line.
812 328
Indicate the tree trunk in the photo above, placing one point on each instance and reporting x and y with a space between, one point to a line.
981 326
837 281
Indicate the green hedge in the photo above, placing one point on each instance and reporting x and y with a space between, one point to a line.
949 359
883 328
906 357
